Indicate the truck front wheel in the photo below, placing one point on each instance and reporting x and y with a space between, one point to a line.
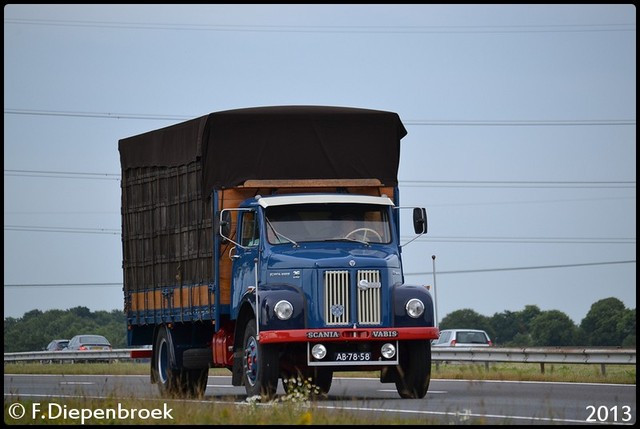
414 369
319 377
260 367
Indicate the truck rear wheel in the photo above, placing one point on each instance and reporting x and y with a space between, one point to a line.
260 365
414 369
173 381
163 364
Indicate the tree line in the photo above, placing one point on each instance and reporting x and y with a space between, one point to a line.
608 324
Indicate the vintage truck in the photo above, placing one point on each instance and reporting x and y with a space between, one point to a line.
266 240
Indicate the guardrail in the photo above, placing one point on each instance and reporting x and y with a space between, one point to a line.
68 355
540 355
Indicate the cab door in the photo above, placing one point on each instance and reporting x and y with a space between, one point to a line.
244 257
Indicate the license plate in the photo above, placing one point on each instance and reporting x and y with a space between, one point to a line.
352 356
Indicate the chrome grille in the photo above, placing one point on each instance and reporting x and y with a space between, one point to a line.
337 297
369 297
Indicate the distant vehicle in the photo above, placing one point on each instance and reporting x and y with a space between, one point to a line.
89 342
463 338
57 345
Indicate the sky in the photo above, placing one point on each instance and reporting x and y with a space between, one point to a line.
521 139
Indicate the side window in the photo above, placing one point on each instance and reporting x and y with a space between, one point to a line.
249 236
444 337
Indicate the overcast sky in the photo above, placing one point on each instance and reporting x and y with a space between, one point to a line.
521 137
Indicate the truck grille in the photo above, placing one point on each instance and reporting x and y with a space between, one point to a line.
337 297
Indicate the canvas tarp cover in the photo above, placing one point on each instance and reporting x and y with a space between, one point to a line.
276 143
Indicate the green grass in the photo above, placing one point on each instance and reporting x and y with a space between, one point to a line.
181 412
287 410
586 373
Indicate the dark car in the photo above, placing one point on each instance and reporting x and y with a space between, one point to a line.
57 345
463 338
88 342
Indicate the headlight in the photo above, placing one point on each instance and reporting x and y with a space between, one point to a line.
319 351
414 308
388 350
283 310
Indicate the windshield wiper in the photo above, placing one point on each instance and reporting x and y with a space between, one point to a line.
279 234
366 243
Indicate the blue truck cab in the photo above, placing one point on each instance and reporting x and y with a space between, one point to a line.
326 272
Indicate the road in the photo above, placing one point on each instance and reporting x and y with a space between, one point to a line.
448 401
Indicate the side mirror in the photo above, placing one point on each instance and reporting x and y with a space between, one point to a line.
420 220
225 224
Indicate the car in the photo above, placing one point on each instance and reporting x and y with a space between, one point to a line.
463 338
88 342
57 345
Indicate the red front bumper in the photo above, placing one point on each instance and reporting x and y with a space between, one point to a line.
348 334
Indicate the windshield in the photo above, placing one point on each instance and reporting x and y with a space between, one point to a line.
323 222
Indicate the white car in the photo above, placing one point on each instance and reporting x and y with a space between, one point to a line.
463 338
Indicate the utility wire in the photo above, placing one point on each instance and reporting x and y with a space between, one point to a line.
525 240
62 174
62 229
377 29
418 122
96 115
541 267
6 285
404 183
515 240
515 184
61 284
519 123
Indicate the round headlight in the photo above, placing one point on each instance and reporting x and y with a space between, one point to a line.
283 310
388 350
319 351
414 308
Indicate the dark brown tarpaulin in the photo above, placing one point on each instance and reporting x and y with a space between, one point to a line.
276 142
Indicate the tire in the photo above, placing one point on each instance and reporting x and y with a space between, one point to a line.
260 368
196 382
163 364
320 377
414 369
174 382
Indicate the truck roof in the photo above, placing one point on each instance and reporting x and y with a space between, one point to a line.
281 200
275 142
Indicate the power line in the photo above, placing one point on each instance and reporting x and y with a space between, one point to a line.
406 274
405 183
516 240
62 229
417 122
516 184
61 284
61 174
520 123
526 240
541 267
95 115
404 29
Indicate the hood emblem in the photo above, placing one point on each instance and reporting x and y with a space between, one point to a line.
365 284
352 263
337 310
